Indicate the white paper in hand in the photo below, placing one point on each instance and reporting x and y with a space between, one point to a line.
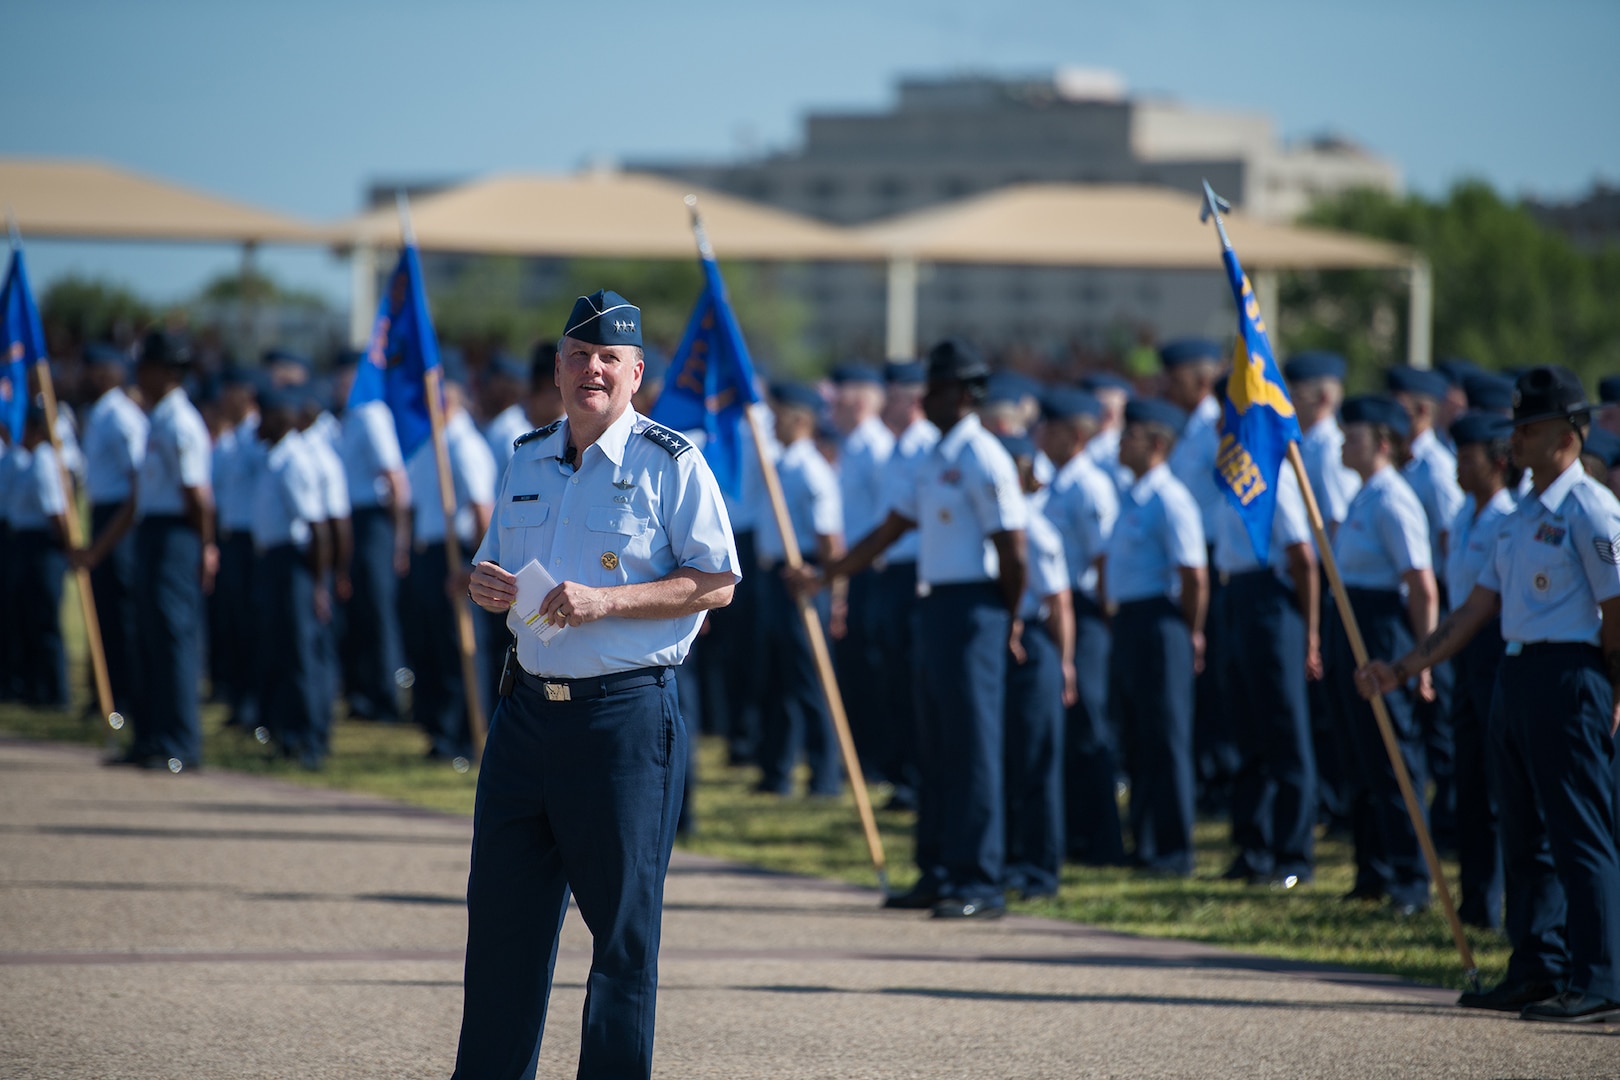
533 585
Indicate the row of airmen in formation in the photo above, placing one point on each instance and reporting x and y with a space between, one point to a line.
1143 642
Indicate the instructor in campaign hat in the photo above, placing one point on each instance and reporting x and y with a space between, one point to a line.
583 771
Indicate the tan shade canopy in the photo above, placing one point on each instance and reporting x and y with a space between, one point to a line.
601 214
90 201
1112 226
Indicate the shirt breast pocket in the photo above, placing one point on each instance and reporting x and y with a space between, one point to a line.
619 532
517 520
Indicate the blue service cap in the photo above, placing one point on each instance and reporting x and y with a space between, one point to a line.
1106 380
604 318
1457 369
1602 444
1154 411
1546 393
1009 388
1609 390
166 348
1316 364
1486 390
1186 350
1017 446
854 373
905 373
285 356
507 366
1376 409
101 352
954 359
797 395
1069 403
1404 379
1480 427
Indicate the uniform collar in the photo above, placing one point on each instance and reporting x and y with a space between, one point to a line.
1323 427
1425 442
1503 501
612 441
1559 489
956 438
171 400
1207 410
1143 489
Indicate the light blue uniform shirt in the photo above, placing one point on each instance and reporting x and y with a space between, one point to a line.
503 429
899 481
238 457
472 474
1192 459
1432 473
36 489
1234 551
178 455
1048 571
862 460
369 447
13 462
1332 482
1159 531
1473 536
114 442
286 494
810 490
967 490
1384 534
1103 450
752 506
334 482
1556 558
1083 504
637 509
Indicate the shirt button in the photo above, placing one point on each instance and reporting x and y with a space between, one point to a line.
565 521
574 480
556 562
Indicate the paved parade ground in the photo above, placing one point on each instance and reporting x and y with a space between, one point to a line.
214 925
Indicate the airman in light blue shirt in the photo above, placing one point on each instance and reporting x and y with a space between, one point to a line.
472 470
178 455
811 491
1159 531
114 444
36 495
370 452
1384 536
967 491
286 496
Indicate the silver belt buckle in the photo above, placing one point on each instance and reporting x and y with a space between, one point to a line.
1514 648
557 692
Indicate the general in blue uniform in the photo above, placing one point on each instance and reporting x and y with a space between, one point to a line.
581 779
1553 575
1155 576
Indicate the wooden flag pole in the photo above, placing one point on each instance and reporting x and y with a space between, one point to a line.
818 647
432 382
1414 808
75 541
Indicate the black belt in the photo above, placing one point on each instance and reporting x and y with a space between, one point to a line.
595 686
1550 648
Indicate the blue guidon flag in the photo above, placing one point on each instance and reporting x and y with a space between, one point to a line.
23 338
402 349
711 378
1258 420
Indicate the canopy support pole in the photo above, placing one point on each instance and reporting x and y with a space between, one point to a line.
362 294
901 341
1420 314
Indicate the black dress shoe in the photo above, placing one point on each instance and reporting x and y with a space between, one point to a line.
955 908
1508 997
1573 1007
920 897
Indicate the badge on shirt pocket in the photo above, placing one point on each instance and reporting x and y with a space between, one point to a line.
612 530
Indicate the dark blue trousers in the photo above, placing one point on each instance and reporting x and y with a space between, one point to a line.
1274 792
113 582
42 659
439 696
1388 858
1332 788
574 796
372 651
1091 750
1555 766
859 664
1435 720
895 714
735 633
1479 844
1151 678
236 629
793 707
169 619
962 692
10 630
293 703
1215 748
1033 765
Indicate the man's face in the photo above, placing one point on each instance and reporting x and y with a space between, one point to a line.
854 402
1136 448
1453 405
1474 467
1057 439
1186 384
1418 407
944 402
1112 399
1536 446
899 400
597 380
1361 448
1310 395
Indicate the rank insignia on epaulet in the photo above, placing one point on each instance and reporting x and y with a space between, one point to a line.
537 433
672 443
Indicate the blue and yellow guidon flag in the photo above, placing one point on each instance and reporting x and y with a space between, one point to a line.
402 348
1258 421
22 340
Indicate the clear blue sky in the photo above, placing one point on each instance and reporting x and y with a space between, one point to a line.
297 104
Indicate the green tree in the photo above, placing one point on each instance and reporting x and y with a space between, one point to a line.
77 310
1508 292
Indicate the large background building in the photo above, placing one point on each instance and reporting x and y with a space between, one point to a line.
948 138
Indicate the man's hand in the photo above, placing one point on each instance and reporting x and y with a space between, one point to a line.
1377 678
1426 689
1071 684
402 562
1313 658
573 604
210 567
342 587
1015 641
1614 710
1198 652
806 581
838 621
323 605
492 588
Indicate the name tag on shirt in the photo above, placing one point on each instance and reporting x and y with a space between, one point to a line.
526 498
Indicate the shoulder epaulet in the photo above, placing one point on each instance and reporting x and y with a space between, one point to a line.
673 444
537 433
